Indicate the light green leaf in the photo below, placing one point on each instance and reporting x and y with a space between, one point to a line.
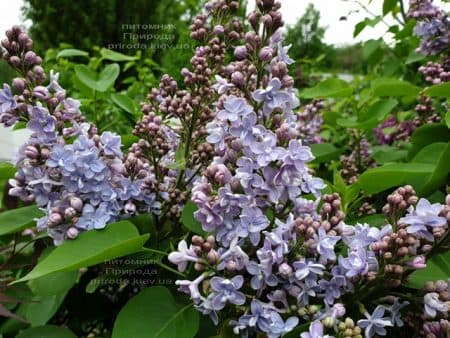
447 119
153 313
386 154
394 87
47 331
18 219
414 57
100 82
188 219
90 248
124 102
67 53
324 152
375 114
180 161
391 175
439 90
332 87
111 55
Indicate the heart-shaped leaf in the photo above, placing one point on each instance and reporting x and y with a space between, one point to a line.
100 82
153 313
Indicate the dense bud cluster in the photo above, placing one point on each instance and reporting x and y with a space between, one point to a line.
310 122
357 161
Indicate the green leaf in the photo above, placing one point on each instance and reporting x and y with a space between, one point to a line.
180 161
7 171
370 48
386 154
295 333
124 102
447 119
391 175
53 284
111 55
359 27
414 57
436 154
439 90
153 313
100 82
324 152
332 87
438 268
394 87
47 331
376 220
375 114
427 134
41 309
16 220
388 6
90 248
67 53
188 219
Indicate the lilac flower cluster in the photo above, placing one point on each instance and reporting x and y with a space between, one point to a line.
75 175
278 253
433 26
303 269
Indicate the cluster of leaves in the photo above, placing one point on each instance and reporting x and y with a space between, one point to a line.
116 282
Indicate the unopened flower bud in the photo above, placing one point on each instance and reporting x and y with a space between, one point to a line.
72 233
76 203
240 52
265 54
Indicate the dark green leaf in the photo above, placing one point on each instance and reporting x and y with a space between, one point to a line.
188 219
18 219
53 284
90 248
438 268
7 171
388 6
47 331
438 155
427 134
153 313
